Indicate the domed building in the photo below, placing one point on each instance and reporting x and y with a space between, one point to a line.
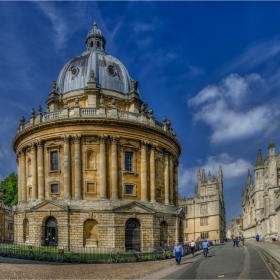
97 169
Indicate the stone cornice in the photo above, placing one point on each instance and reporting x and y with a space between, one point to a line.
98 121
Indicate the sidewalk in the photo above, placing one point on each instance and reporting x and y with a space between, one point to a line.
271 249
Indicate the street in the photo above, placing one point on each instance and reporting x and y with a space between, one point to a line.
225 261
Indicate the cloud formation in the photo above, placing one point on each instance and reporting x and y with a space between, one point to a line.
225 108
232 169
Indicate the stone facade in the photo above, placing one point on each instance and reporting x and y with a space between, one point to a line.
235 228
97 169
206 212
259 202
6 220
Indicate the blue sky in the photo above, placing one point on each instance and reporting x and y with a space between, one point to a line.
211 67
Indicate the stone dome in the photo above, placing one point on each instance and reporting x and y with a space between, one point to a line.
109 72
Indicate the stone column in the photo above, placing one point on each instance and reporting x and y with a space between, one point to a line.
67 167
41 181
23 175
143 171
103 167
114 166
171 186
78 166
166 177
176 184
152 174
19 176
34 171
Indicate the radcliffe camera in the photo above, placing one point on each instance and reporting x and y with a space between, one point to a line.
128 132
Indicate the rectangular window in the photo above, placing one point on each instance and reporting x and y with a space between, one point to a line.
209 190
29 191
91 187
203 209
204 235
54 188
128 161
204 221
10 227
158 193
128 189
186 223
54 161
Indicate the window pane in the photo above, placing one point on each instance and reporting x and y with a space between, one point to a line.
54 188
54 161
128 189
128 161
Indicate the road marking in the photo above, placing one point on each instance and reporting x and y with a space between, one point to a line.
267 265
221 276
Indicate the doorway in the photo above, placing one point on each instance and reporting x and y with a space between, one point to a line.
132 234
51 232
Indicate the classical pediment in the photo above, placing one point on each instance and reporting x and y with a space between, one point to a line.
49 206
134 207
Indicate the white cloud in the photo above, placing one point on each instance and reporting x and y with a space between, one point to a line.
225 109
232 169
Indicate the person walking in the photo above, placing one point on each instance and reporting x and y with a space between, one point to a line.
236 241
257 237
242 240
178 252
192 247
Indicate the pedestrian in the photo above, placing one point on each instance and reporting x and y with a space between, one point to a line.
233 241
242 240
192 247
178 252
236 241
257 237
274 238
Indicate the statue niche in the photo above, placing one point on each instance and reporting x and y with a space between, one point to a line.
91 233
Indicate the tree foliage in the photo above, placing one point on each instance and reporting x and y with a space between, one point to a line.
10 188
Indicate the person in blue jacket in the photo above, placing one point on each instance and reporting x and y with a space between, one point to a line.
178 252
257 237
237 240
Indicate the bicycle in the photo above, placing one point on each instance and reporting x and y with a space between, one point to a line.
205 252
156 255
118 258
136 256
2 251
30 253
44 256
60 256
166 254
14 251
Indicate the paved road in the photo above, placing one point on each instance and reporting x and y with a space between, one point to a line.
223 262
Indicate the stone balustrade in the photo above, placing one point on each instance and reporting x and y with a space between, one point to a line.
77 112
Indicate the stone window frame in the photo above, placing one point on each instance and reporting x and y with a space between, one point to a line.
209 190
186 223
11 227
204 208
157 197
29 193
95 160
127 147
204 221
86 187
29 166
50 149
50 187
134 192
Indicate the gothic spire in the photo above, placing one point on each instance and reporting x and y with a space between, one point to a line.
198 174
209 175
220 172
203 175
259 158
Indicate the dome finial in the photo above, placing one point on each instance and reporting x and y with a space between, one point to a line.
95 24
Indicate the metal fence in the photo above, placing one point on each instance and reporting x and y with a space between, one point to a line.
84 254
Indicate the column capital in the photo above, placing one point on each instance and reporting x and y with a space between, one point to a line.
114 139
153 146
144 144
65 139
102 138
166 153
32 145
39 143
76 138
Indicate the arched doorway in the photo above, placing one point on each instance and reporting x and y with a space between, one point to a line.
163 233
51 233
132 234
91 233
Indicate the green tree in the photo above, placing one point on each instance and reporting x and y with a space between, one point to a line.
10 189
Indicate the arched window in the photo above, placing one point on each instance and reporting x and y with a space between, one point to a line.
132 234
91 233
91 44
25 230
98 44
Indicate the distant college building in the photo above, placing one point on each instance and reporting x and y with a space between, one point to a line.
97 169
261 203
206 211
6 220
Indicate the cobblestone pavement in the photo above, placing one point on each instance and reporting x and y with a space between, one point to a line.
21 269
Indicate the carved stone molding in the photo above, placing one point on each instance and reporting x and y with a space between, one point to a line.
114 139
76 138
32 146
65 139
39 143
102 138
144 144
89 140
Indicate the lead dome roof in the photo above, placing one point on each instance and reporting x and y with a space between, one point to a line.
109 72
